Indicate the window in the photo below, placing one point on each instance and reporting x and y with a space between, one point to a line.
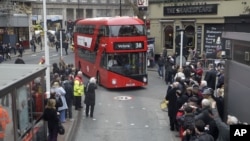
87 55
127 30
103 1
126 63
85 29
104 31
29 105
169 37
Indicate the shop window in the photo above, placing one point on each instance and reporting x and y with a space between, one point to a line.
189 32
168 37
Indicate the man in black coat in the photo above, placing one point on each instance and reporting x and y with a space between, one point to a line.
210 76
172 105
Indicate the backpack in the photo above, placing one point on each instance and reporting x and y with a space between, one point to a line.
32 42
59 102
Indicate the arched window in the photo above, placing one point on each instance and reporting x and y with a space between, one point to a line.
168 31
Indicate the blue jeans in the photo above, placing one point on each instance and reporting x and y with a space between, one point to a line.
62 115
160 71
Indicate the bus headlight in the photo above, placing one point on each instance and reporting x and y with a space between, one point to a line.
145 79
114 81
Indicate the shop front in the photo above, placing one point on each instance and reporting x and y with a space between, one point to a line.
22 102
14 28
202 23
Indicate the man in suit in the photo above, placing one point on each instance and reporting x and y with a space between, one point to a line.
210 76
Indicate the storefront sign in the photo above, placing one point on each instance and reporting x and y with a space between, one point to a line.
191 10
213 40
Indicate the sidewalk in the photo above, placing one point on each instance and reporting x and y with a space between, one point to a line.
70 126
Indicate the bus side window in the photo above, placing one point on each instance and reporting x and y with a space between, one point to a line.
104 62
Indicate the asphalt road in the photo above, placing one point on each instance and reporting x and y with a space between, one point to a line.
33 58
123 114
128 115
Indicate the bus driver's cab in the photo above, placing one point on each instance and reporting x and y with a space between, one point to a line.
112 61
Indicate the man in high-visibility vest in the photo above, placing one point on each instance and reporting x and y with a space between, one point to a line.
78 90
4 120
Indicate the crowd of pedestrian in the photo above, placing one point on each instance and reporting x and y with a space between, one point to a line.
6 49
67 90
196 101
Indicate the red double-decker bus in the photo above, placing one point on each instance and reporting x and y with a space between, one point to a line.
112 49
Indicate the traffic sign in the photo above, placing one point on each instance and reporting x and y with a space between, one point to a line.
142 3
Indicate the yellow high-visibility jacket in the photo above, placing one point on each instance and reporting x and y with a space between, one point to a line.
78 87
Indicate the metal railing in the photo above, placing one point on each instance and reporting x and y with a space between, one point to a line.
206 62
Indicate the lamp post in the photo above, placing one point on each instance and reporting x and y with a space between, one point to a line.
120 8
78 3
47 62
181 46
145 18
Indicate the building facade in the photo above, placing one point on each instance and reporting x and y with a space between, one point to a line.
20 19
14 22
202 22
61 11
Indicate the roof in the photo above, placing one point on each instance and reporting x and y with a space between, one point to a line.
124 20
12 75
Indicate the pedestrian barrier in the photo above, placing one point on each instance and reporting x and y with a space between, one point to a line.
205 62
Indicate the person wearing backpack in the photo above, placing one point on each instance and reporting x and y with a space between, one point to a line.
68 86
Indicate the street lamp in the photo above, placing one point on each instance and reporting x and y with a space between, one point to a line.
47 62
181 46
78 3
120 8
145 18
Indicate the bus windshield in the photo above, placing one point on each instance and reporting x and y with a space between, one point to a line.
123 30
126 63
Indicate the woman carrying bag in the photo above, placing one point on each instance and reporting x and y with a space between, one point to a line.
51 116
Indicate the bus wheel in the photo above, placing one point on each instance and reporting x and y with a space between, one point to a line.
98 79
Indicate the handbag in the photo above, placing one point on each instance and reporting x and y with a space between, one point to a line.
164 105
61 129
